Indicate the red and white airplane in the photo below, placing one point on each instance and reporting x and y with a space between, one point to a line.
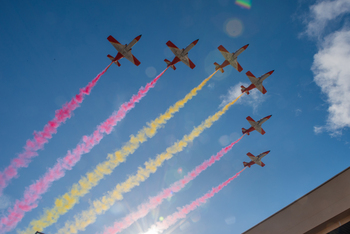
256 160
255 125
256 82
180 55
230 58
124 51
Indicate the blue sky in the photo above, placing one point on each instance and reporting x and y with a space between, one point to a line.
51 49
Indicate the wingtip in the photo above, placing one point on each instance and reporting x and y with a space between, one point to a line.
268 116
195 42
270 72
245 47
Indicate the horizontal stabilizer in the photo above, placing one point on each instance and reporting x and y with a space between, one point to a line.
170 64
243 89
113 60
245 164
217 67
244 131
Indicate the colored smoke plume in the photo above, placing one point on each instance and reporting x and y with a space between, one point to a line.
153 202
42 137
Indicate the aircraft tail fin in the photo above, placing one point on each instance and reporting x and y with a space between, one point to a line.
112 59
243 89
262 164
170 64
245 164
217 67
244 131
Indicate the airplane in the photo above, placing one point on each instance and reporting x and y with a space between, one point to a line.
255 125
39 232
256 82
123 51
256 160
230 58
180 55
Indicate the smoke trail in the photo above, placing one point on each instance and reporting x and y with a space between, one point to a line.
33 192
182 212
69 199
40 138
153 202
99 206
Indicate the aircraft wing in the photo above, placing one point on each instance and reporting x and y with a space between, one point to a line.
188 62
224 52
132 58
260 163
115 43
261 88
236 65
259 129
173 48
251 121
252 78
251 156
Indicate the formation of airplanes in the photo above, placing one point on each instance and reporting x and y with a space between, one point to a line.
124 51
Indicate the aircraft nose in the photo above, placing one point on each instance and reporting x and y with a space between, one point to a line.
270 72
267 117
195 42
138 37
245 47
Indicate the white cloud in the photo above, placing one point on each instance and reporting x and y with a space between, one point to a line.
322 13
254 99
331 68
331 65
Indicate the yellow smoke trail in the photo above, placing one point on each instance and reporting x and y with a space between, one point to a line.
101 205
69 199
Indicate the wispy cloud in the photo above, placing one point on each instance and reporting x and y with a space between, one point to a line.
254 99
322 13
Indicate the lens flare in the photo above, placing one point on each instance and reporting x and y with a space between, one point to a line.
247 4
233 27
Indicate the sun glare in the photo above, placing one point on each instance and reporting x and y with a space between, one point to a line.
152 230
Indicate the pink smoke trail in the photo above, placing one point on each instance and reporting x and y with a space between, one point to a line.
40 138
153 202
182 212
33 193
